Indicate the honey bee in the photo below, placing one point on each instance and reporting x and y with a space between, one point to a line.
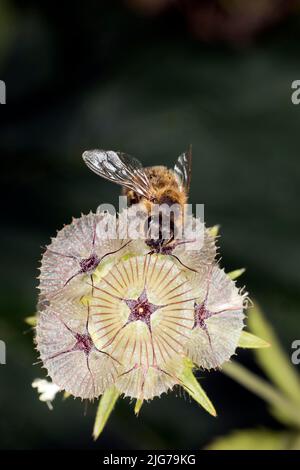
147 186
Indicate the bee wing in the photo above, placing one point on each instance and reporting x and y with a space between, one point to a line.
183 170
119 168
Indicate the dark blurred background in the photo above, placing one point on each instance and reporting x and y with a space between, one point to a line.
147 77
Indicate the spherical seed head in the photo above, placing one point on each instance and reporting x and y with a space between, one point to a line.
68 352
73 256
142 314
218 320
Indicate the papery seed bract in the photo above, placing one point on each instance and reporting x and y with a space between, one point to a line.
75 253
219 320
68 352
142 314
145 383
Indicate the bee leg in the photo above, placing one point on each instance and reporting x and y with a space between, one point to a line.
170 240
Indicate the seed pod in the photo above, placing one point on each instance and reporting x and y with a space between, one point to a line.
73 256
68 353
145 383
142 314
218 320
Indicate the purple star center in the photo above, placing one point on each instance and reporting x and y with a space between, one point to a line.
89 265
201 314
141 309
84 343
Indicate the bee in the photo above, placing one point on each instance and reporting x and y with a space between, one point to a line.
156 185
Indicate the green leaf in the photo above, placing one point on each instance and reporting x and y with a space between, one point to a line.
138 406
264 390
106 405
194 389
255 439
214 231
295 442
85 300
274 361
235 274
31 321
284 418
66 395
250 341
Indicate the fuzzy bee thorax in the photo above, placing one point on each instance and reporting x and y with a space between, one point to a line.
164 186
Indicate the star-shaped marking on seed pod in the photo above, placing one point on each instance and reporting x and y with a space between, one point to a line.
141 309
201 314
142 313
68 352
75 254
218 320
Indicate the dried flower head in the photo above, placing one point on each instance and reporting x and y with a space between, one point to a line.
121 315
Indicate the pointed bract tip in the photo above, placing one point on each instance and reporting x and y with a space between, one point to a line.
138 406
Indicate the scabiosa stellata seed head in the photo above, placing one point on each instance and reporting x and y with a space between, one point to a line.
119 314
